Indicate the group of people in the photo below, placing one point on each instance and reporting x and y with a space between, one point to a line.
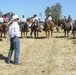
14 33
69 20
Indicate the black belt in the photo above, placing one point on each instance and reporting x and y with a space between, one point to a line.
14 37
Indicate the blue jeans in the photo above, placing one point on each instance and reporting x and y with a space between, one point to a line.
14 46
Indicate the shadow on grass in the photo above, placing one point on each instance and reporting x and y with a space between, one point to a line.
4 58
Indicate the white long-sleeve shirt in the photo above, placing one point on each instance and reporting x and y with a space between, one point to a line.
35 18
23 20
50 18
14 30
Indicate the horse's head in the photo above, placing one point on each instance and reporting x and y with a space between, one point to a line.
60 22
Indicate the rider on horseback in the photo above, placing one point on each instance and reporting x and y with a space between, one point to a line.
65 19
23 21
48 19
34 19
70 21
5 18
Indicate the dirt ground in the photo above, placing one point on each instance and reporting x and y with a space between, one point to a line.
43 56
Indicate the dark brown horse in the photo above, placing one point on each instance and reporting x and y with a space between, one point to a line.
66 26
49 25
74 29
24 29
35 29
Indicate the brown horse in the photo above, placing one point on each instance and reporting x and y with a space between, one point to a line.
35 29
49 25
74 29
3 29
66 26
24 28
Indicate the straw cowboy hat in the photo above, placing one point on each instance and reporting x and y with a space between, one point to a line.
15 17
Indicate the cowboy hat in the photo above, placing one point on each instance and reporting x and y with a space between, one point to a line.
49 13
15 17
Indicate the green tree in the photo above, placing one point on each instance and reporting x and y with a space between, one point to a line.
48 10
55 11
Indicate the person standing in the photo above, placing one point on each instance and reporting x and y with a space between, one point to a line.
14 34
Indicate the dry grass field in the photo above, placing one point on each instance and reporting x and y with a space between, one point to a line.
43 56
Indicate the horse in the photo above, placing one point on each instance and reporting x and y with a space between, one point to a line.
64 25
74 29
36 29
3 29
24 28
48 26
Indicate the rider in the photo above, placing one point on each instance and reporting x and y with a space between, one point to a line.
5 18
70 21
65 19
48 18
34 19
23 21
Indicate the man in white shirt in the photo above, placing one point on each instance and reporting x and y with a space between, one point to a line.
35 18
23 21
14 34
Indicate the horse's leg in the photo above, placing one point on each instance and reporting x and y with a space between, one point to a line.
51 33
4 35
1 36
26 34
73 34
65 33
37 34
31 32
57 28
46 33
21 34
34 34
